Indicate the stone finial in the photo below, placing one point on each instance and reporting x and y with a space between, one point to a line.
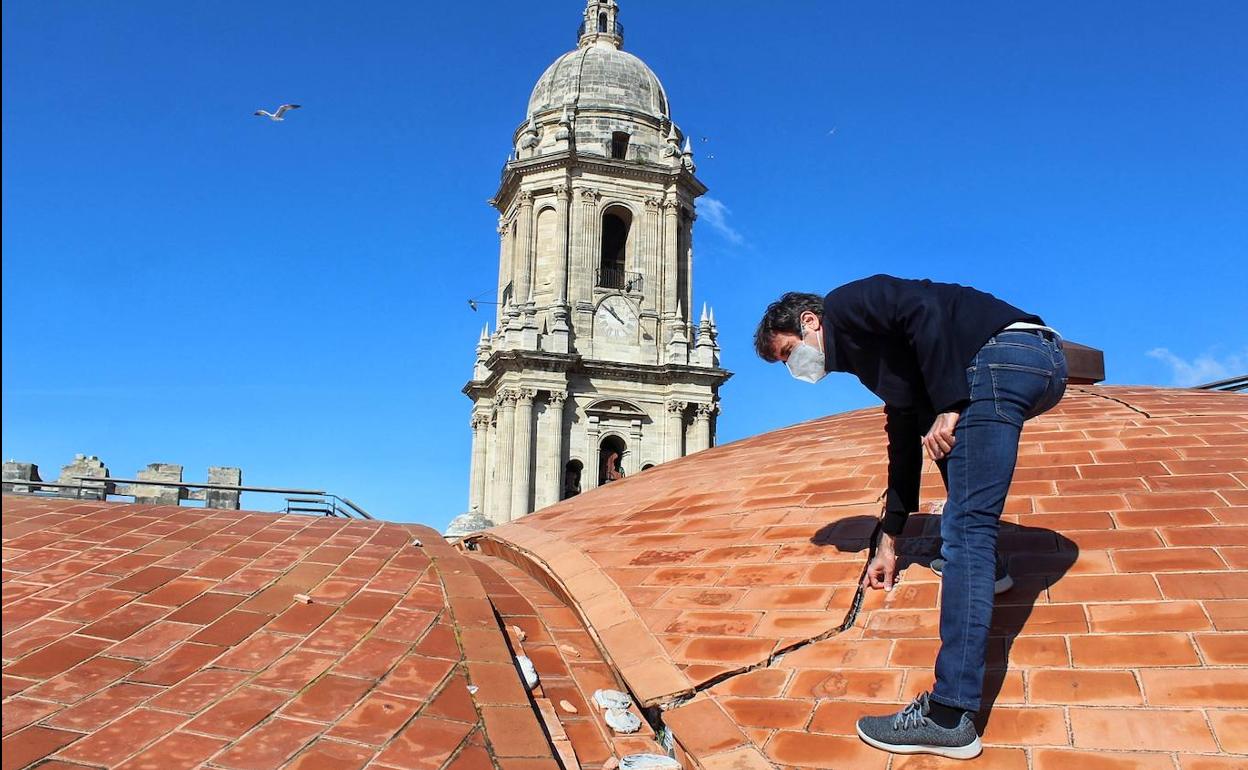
686 156
529 137
671 147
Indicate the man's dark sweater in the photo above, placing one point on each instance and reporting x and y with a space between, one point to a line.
910 342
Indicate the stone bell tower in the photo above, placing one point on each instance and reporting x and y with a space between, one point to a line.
595 367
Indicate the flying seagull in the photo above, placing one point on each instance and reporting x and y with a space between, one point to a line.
276 115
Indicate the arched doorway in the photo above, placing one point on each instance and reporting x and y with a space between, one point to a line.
610 460
572 479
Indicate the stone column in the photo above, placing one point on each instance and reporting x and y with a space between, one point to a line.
671 258
489 472
633 464
561 255
593 463
523 252
702 427
522 457
686 260
503 466
675 429
476 484
552 485
584 246
504 270
651 238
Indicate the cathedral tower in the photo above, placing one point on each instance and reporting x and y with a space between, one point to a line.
595 367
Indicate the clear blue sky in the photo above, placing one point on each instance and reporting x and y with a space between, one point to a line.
183 282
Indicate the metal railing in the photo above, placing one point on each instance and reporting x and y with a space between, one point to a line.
97 488
78 491
614 278
1233 384
601 28
326 505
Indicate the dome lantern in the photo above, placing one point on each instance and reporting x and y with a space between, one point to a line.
601 24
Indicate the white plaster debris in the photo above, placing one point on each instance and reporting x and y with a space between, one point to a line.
612 699
568 649
519 632
472 689
611 764
526 668
303 598
568 707
648 762
417 543
622 721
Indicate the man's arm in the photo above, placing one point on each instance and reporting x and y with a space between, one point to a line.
905 428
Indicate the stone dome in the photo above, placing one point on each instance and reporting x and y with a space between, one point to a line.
599 76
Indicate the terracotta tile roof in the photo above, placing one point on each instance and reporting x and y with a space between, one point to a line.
721 588
166 637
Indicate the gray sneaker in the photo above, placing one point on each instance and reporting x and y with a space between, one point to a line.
909 731
1004 581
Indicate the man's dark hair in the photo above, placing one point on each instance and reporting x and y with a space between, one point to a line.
784 315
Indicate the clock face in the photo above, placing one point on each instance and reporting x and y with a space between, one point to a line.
616 320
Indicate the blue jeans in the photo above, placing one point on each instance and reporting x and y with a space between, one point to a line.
1015 376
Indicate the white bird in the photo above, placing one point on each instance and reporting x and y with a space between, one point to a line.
276 115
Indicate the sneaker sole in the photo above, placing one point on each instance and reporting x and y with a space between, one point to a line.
999 587
969 751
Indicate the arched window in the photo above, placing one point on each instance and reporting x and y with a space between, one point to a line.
602 22
619 145
616 223
572 479
610 460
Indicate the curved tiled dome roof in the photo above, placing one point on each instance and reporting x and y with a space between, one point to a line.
723 587
599 76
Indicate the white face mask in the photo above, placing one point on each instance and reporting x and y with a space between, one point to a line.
806 363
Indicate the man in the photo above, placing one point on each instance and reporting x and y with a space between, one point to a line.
959 371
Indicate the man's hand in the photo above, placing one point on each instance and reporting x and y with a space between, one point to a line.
939 440
882 571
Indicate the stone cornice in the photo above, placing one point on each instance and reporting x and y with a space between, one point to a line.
664 175
520 361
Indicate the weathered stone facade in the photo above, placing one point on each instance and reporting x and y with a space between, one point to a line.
594 351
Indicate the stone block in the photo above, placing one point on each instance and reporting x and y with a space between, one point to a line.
158 495
86 466
18 471
220 498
